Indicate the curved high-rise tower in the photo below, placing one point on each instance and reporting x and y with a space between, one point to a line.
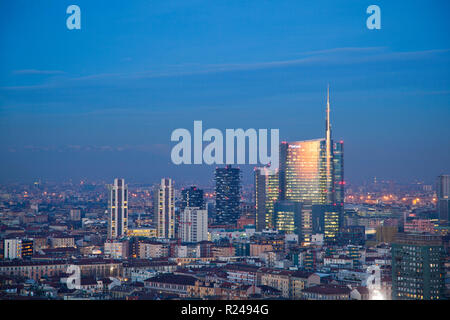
311 172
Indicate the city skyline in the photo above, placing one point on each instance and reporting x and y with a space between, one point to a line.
229 156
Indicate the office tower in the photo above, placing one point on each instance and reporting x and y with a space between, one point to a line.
326 220
417 267
194 225
287 216
443 198
192 197
118 209
266 193
164 209
302 171
312 172
307 168
339 182
302 178
228 192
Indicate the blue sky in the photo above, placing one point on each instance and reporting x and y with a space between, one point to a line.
102 101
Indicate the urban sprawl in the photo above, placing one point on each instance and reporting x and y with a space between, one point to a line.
300 233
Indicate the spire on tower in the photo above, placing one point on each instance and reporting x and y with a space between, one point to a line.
328 125
329 160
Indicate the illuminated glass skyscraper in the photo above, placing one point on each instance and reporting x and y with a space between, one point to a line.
228 194
312 172
288 216
418 267
266 193
326 219
303 171
118 209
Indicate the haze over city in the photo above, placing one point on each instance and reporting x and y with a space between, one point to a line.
224 158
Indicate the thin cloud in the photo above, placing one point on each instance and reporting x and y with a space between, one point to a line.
345 50
344 55
335 56
151 148
36 71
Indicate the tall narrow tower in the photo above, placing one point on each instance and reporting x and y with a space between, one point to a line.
329 153
266 194
228 194
118 209
443 198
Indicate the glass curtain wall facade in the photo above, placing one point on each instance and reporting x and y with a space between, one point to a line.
266 193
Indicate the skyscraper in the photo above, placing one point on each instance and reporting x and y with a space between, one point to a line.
312 172
338 167
288 216
194 225
309 169
228 193
164 209
326 220
266 193
118 209
303 171
417 267
192 197
443 198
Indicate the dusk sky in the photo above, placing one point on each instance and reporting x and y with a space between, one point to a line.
102 102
